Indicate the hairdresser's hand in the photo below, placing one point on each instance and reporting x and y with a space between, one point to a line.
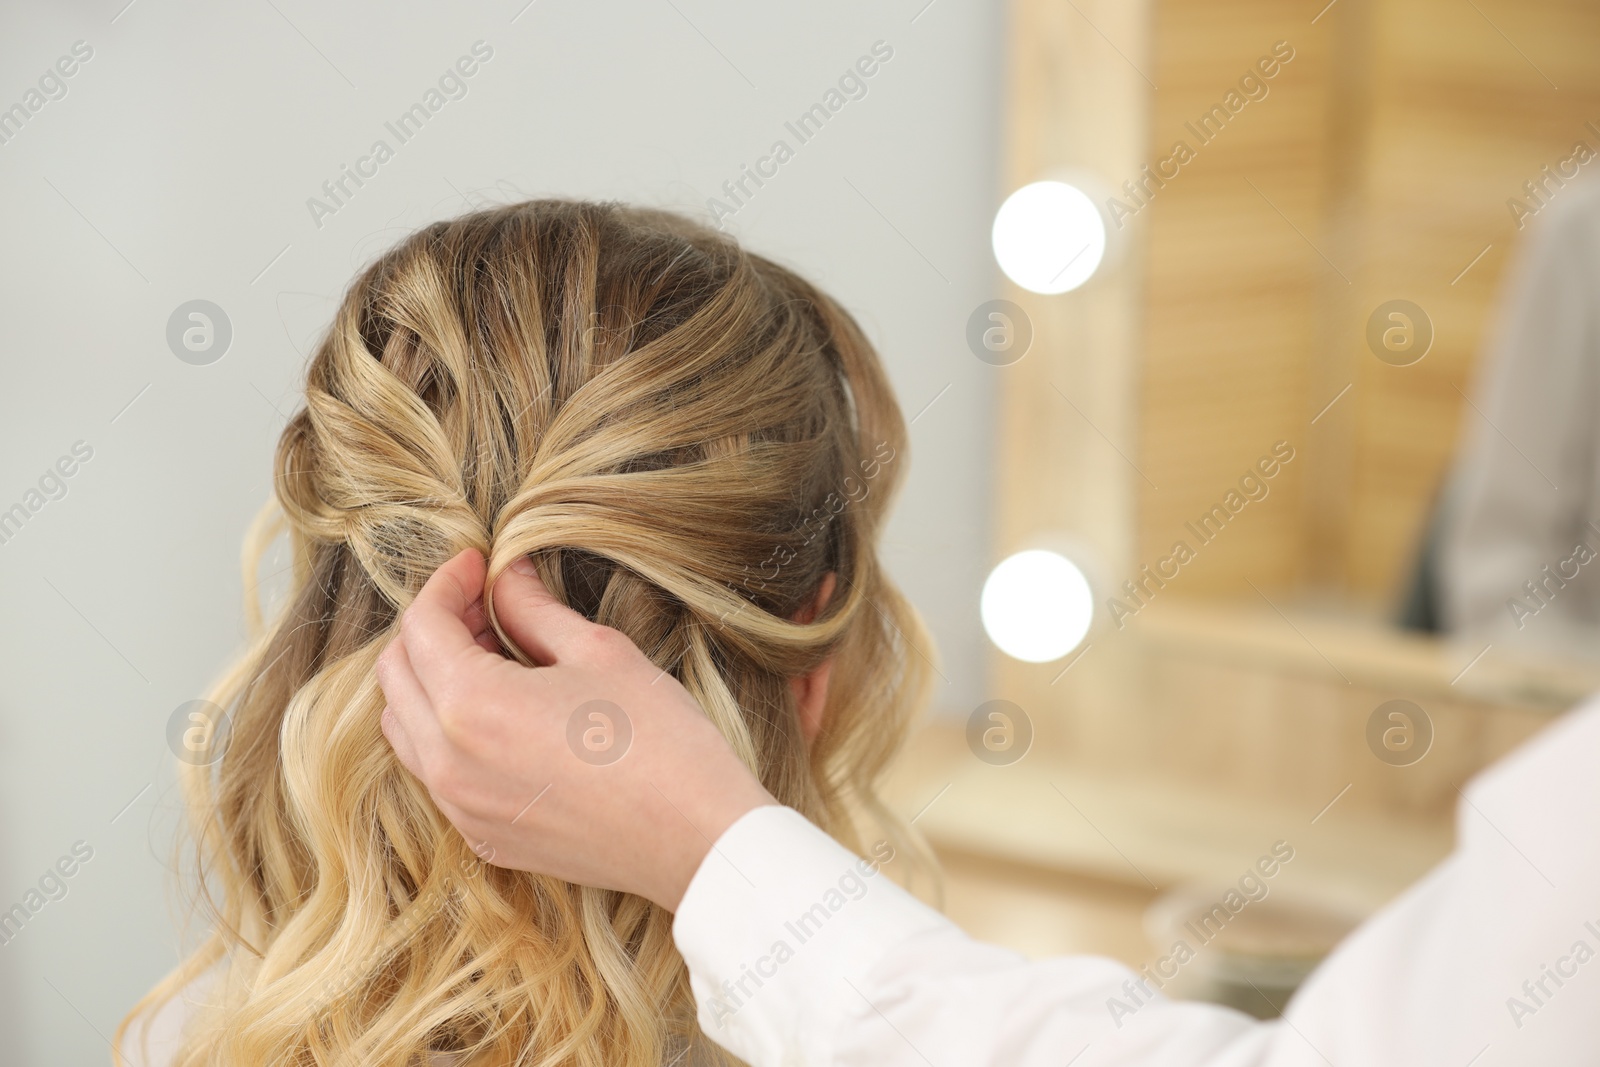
489 739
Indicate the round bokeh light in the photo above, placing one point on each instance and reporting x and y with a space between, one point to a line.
1037 606
1049 237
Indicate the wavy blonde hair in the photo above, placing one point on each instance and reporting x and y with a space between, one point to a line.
686 438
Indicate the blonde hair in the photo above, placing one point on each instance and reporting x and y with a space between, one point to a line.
686 438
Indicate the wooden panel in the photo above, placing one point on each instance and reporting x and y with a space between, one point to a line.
1149 832
1244 702
1388 148
1460 116
1232 284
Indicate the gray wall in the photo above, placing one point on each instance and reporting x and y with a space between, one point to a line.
178 165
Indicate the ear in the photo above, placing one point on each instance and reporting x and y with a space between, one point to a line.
811 689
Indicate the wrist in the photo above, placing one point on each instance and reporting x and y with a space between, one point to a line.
715 810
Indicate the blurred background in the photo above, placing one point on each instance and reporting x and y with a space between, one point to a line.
1316 440
1334 345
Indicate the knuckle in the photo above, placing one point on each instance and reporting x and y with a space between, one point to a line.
450 782
386 665
470 726
445 783
409 620
604 643
455 723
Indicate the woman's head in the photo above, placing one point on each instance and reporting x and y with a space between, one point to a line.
695 447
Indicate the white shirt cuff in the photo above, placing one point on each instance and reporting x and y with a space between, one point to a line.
780 926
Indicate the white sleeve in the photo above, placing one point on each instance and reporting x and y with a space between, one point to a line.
798 957
1488 959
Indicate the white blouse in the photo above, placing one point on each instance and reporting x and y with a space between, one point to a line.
799 956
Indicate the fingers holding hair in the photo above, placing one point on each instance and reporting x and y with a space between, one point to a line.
541 625
444 629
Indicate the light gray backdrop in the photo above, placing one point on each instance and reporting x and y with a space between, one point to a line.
175 163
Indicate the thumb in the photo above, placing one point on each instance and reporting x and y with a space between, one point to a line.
531 616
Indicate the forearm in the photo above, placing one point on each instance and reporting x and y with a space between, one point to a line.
797 956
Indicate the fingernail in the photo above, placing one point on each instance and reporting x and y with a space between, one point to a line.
523 566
